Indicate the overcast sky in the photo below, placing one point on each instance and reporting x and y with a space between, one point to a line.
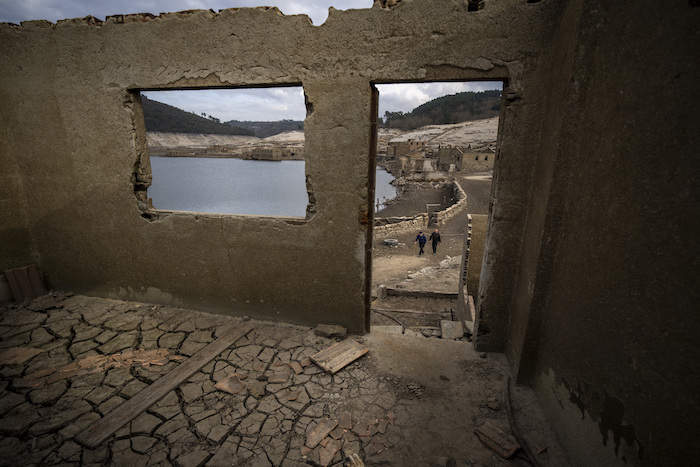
236 104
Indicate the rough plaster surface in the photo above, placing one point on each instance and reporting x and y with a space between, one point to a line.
605 309
89 224
584 255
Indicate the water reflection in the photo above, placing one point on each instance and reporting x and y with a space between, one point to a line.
237 186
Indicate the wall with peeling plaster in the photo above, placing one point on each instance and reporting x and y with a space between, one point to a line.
76 133
586 280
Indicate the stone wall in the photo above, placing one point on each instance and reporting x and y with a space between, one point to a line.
451 211
386 227
464 310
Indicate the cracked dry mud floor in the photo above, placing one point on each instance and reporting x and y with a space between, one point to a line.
411 401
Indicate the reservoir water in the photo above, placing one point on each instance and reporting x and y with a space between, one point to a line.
237 186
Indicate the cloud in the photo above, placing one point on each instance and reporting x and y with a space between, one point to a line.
238 104
405 97
251 104
318 9
279 103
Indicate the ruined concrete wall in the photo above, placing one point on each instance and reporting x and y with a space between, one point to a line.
15 238
392 226
77 129
385 227
464 311
605 315
451 211
588 275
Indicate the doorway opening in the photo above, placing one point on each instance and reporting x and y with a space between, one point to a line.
438 141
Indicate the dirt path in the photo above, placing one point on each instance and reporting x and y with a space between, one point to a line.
478 190
392 265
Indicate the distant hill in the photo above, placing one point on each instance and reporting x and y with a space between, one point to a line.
265 129
165 118
453 108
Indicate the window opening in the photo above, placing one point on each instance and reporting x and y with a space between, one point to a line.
431 138
227 151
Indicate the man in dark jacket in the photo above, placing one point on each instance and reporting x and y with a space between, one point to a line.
435 239
421 242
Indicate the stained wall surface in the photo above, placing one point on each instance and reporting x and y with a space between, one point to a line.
76 135
587 278
604 316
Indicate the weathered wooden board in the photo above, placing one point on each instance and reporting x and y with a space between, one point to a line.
415 312
339 355
419 293
102 429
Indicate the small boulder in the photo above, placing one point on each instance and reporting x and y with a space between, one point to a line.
330 330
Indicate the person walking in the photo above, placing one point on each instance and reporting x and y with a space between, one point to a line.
435 239
420 238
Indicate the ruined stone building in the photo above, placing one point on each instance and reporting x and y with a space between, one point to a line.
589 280
398 149
411 163
270 154
448 156
464 159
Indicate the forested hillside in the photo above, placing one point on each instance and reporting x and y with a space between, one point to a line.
265 129
453 108
168 119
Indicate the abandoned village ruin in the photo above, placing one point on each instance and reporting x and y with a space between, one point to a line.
589 279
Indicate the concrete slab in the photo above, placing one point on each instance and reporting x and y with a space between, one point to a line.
451 330
469 326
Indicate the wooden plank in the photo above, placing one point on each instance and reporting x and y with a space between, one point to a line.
339 355
102 429
415 312
420 294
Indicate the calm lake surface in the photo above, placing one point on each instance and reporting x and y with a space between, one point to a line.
236 186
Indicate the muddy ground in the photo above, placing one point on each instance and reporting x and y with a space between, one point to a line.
409 401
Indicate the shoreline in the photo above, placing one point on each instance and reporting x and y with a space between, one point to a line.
228 156
413 197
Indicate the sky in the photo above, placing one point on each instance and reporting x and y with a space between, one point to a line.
236 104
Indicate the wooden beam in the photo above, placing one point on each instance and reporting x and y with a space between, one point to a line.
420 294
415 312
102 429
